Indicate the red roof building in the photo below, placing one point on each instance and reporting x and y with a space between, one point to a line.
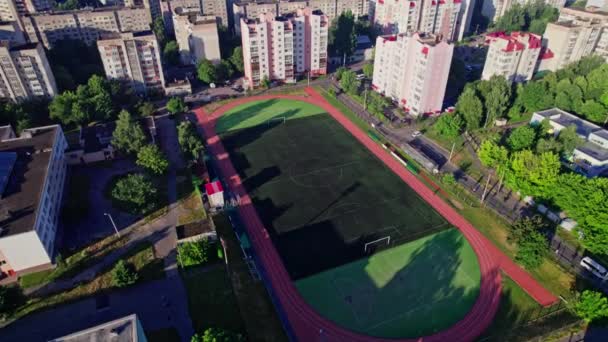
513 56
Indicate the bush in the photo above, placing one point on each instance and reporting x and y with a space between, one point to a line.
193 253
135 194
10 298
591 306
176 105
448 179
153 159
217 335
220 251
123 274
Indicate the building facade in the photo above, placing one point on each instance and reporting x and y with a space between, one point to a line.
280 48
30 198
439 17
590 158
11 9
25 72
576 34
196 36
85 25
494 9
133 58
413 69
216 8
513 56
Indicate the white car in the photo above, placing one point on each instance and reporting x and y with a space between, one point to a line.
594 267
416 134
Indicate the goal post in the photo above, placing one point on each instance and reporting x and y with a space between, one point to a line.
368 245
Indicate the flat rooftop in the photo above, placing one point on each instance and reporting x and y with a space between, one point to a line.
594 150
563 118
20 199
119 330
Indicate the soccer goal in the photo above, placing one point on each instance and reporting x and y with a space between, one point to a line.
276 121
368 247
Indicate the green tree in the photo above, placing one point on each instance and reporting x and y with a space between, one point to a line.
224 70
492 155
134 193
152 158
123 274
193 253
63 108
349 82
469 106
497 99
189 140
549 145
159 30
449 125
342 36
265 82
339 72
176 105
533 174
206 72
217 335
237 59
368 70
568 96
569 139
171 53
521 138
146 108
593 111
377 104
535 96
10 299
128 135
532 245
591 306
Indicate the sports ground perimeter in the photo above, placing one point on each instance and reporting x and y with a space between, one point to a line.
305 322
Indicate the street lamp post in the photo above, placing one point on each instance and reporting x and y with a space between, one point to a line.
113 224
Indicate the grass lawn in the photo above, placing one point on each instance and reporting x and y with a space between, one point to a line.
140 256
411 290
211 301
191 209
251 295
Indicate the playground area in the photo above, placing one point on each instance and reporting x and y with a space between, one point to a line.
361 246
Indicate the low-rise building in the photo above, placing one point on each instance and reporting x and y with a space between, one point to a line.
178 88
25 72
513 56
133 58
413 69
280 48
32 177
590 158
126 329
196 36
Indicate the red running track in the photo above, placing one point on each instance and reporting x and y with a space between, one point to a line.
306 323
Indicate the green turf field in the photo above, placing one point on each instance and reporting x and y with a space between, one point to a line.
411 290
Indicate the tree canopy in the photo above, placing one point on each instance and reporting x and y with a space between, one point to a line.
128 135
533 17
153 159
237 59
171 53
189 140
134 193
342 35
205 71
522 137
176 105
591 306
469 106
349 82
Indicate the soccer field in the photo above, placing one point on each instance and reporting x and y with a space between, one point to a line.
325 199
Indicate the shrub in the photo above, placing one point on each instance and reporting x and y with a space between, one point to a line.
123 274
220 251
591 306
217 335
193 253
10 298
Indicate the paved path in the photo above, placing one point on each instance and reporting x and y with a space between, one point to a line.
305 322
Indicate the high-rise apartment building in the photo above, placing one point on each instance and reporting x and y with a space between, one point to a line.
25 72
440 17
413 69
513 56
216 8
12 9
576 34
11 31
133 58
85 25
280 48
196 36
494 9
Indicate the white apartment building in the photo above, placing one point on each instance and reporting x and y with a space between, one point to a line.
216 8
11 31
32 177
196 35
279 48
513 56
133 58
413 69
591 158
576 34
494 9
25 72
441 17
11 9
85 25
125 329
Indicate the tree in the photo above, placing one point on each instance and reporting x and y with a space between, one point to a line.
449 125
176 105
237 59
469 106
549 145
189 140
159 30
593 111
349 82
533 174
134 193
568 96
10 298
340 71
569 139
368 70
265 82
128 135
171 53
342 36
535 96
146 108
531 243
217 335
123 274
62 108
376 105
206 72
193 253
152 158
521 138
591 306
497 99
492 155
224 71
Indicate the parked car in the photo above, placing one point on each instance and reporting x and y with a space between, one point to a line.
594 267
416 134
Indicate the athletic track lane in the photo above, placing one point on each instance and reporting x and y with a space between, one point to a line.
306 323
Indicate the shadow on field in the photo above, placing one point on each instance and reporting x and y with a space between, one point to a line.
244 114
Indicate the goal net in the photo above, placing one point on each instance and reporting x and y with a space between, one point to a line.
373 245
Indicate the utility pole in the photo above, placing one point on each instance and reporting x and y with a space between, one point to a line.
365 97
452 151
113 224
485 190
309 78
344 60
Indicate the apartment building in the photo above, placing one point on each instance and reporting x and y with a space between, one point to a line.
494 9
413 69
32 177
330 8
196 35
436 17
591 158
25 72
12 9
576 34
280 48
11 31
85 25
513 56
133 58
216 8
